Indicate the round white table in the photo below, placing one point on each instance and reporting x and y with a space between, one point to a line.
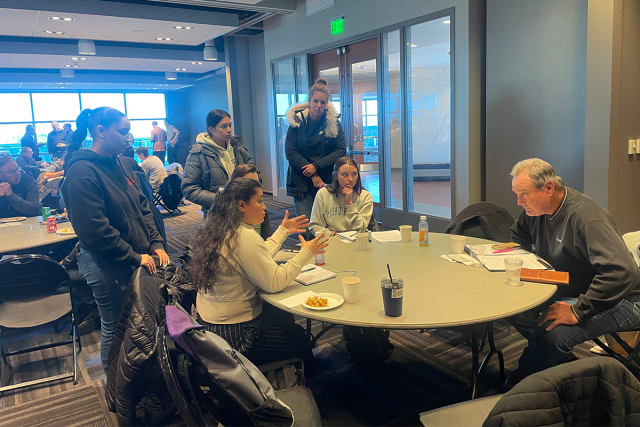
12 241
437 293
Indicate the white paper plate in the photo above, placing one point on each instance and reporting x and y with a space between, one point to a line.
333 301
13 219
65 232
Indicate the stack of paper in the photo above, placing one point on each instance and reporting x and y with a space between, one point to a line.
348 235
311 274
387 236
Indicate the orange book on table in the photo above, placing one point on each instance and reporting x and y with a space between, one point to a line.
545 276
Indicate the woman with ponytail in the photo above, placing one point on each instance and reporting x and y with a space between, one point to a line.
110 215
315 140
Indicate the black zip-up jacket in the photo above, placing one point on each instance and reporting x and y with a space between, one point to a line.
108 211
581 237
331 137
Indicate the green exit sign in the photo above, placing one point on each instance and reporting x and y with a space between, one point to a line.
337 25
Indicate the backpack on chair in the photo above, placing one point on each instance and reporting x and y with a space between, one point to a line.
367 346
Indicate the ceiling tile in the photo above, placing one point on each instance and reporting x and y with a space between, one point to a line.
15 22
66 27
42 61
12 60
99 27
128 33
204 33
9 85
34 85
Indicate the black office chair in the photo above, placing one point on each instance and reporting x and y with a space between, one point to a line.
28 298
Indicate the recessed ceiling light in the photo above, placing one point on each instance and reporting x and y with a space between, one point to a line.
414 45
68 19
53 32
163 38
68 66
180 27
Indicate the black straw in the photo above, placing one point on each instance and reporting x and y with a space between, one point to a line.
389 270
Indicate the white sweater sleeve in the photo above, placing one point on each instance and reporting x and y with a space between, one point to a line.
252 254
359 214
318 223
274 242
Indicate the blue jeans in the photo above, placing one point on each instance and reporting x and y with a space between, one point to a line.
304 205
547 349
108 282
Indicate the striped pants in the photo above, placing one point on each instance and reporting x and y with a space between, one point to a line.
270 337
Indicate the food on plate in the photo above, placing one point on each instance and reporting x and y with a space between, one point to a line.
66 230
317 302
503 246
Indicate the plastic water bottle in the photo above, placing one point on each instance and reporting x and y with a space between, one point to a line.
423 230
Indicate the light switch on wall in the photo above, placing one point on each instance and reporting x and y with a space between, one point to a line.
632 146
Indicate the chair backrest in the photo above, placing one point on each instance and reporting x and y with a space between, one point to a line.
30 278
494 220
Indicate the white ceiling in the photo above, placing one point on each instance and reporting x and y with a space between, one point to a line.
33 23
71 86
15 60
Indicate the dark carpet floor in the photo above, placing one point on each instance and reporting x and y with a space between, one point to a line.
426 370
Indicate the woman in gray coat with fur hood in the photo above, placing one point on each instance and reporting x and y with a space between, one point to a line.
315 140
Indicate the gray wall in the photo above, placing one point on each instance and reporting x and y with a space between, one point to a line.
206 95
535 90
624 169
260 109
297 32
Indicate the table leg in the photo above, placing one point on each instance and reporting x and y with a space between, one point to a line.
475 372
492 351
321 333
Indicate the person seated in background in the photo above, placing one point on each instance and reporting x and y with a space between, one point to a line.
344 205
29 140
49 184
251 171
18 192
28 164
55 142
231 264
152 166
572 233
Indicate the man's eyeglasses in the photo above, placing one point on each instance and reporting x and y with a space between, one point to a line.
12 171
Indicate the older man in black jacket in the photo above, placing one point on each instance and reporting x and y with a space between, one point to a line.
19 194
573 233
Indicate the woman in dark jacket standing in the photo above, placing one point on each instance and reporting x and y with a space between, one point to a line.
109 214
211 160
315 140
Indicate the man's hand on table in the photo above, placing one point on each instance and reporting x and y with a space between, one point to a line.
559 313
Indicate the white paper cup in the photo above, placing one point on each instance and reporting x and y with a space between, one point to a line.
362 241
457 244
513 268
351 287
405 232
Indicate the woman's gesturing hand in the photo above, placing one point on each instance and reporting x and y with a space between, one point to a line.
294 225
148 263
316 245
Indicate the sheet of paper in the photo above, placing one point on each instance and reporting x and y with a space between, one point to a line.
387 236
497 262
348 235
489 251
296 299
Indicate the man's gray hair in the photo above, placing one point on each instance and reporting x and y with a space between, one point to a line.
24 150
540 173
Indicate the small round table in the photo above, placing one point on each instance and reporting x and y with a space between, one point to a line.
437 293
12 241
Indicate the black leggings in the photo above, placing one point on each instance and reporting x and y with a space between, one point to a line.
270 337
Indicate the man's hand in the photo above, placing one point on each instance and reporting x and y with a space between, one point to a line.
294 225
309 170
5 189
164 258
317 181
559 313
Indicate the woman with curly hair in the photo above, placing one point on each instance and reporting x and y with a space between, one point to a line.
231 263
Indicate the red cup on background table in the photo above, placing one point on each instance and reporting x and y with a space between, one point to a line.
52 225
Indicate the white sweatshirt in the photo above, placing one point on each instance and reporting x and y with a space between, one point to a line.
234 298
331 214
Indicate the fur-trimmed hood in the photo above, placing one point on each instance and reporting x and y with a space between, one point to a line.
298 115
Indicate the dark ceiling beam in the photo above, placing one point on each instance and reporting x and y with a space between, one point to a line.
91 76
277 6
41 46
137 10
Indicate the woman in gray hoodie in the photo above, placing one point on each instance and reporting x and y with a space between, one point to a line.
211 160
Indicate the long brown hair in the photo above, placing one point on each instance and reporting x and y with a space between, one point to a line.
220 231
335 185
242 170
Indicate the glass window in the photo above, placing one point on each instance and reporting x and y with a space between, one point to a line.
15 107
145 106
55 106
10 138
428 136
43 129
96 100
141 130
302 80
284 90
392 118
